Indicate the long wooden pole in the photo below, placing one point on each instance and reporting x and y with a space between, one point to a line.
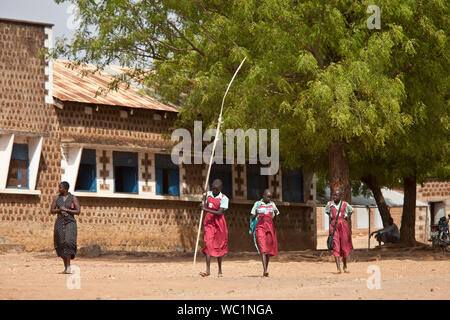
368 245
219 122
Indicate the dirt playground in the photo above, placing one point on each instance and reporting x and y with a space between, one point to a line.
416 273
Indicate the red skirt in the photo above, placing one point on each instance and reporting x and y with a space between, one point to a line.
266 236
215 235
342 239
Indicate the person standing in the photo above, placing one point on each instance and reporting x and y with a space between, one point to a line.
265 210
215 226
342 236
66 206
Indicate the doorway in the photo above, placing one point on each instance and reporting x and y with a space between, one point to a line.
437 211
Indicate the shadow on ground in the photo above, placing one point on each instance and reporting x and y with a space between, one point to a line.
418 253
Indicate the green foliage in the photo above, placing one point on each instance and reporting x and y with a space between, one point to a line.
314 70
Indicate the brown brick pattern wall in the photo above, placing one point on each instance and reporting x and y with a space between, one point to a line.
433 190
105 126
151 225
22 79
22 99
172 225
193 177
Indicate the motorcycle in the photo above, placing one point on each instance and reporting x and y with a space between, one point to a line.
439 235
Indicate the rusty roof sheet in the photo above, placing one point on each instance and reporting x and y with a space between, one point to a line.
70 85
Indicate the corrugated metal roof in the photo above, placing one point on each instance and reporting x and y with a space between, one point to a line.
70 85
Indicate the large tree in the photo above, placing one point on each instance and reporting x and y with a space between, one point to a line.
314 69
421 149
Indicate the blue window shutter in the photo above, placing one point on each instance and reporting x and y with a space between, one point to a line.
125 171
129 179
164 161
20 152
292 186
159 178
18 169
88 156
174 182
125 159
134 181
256 183
86 180
91 177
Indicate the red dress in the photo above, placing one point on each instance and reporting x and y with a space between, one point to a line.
342 237
265 230
215 230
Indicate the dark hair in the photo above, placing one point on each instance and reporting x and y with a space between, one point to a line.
390 220
65 184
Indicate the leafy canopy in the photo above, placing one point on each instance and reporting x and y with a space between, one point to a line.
314 69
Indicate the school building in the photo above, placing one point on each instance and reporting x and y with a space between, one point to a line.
114 152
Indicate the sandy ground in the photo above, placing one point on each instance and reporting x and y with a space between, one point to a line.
404 274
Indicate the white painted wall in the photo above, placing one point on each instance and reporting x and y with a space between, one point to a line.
362 218
70 162
377 221
6 146
48 43
34 156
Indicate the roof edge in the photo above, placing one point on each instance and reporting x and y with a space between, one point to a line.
60 105
46 24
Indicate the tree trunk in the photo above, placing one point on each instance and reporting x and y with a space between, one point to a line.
339 172
408 223
371 181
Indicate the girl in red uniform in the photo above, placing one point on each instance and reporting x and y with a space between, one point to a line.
215 227
342 236
266 238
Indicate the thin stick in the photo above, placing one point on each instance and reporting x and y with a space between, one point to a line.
219 122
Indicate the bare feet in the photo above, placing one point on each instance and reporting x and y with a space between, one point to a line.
265 274
204 274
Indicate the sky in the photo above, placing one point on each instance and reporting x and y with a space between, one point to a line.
46 11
